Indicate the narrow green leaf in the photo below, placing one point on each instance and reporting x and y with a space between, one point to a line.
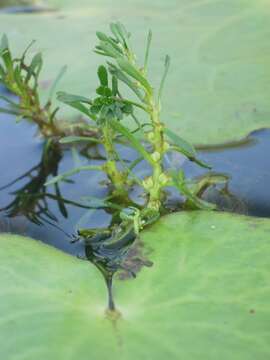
148 44
66 97
67 174
75 101
5 52
9 101
57 80
134 73
109 48
73 139
116 125
120 75
35 67
4 44
121 30
9 111
97 203
17 74
187 148
2 72
195 202
135 163
115 32
27 49
184 148
114 86
60 201
106 39
166 69
199 184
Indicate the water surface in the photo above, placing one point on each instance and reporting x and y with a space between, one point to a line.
21 149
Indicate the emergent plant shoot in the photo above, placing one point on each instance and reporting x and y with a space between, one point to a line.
110 109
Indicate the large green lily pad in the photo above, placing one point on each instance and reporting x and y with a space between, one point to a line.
205 297
218 87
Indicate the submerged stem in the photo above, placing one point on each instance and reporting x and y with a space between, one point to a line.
117 177
109 281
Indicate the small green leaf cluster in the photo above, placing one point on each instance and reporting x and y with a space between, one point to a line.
22 79
105 106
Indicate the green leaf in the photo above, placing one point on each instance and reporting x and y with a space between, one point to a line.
35 67
192 200
57 80
166 69
74 139
207 293
103 75
104 91
185 148
108 49
74 101
134 73
114 30
9 101
71 172
121 76
114 86
5 52
70 98
120 29
117 126
108 44
4 44
9 111
148 44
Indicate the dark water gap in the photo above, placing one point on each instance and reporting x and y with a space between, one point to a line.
23 7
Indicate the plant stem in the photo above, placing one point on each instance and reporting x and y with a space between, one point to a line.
117 177
158 179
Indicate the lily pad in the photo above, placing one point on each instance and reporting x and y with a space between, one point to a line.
5 3
218 86
205 297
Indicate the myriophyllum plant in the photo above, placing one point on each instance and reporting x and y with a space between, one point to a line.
110 109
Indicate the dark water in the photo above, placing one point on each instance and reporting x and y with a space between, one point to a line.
249 168
21 7
21 149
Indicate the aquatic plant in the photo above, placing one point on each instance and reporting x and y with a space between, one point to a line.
22 78
112 118
150 138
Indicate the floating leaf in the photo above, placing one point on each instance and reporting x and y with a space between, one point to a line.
209 286
217 87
